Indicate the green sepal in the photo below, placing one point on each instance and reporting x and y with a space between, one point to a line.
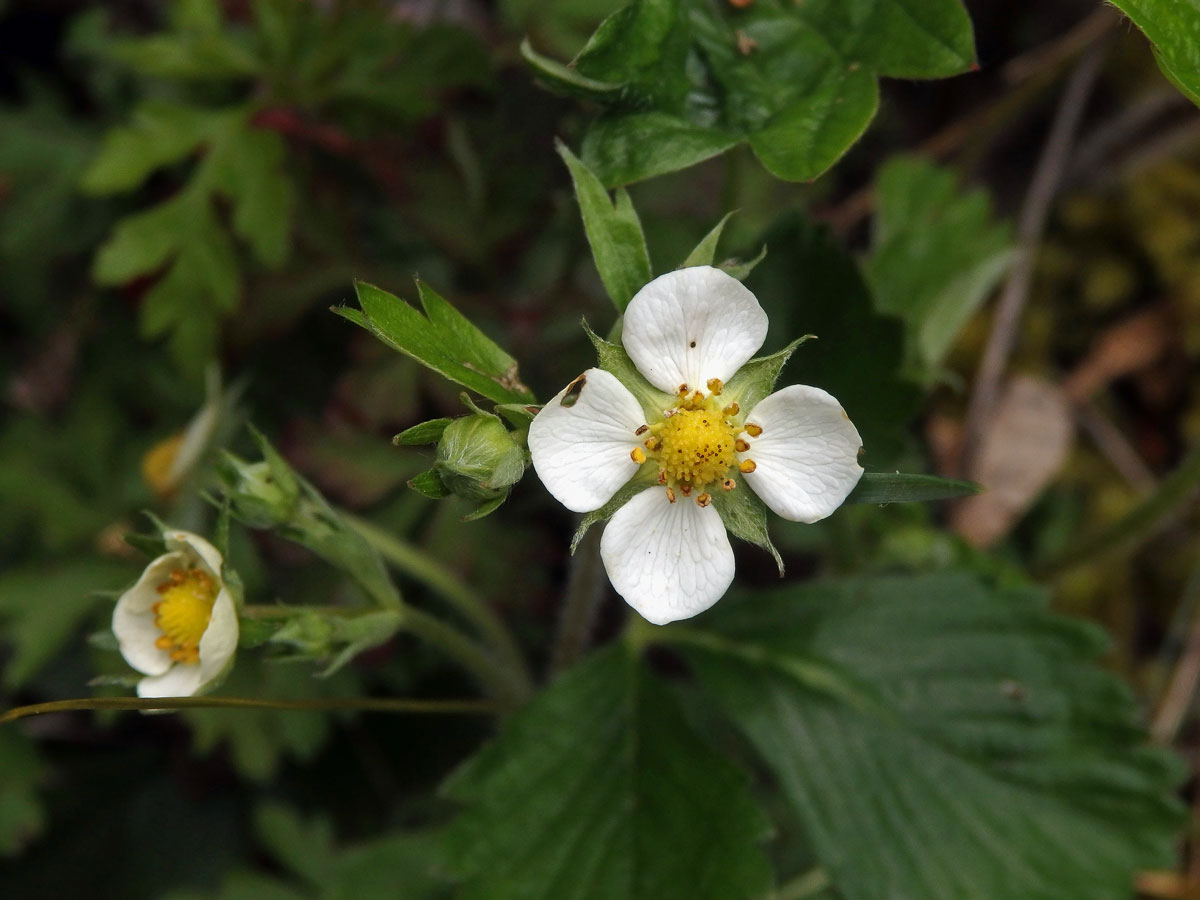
151 544
614 232
741 269
756 379
361 633
745 516
256 632
706 250
486 508
897 487
565 80
518 415
429 484
104 640
642 479
613 359
425 433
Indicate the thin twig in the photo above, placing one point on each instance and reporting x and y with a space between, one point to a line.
1036 208
1185 675
324 704
1115 447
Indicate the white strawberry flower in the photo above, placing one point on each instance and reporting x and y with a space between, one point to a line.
666 550
178 625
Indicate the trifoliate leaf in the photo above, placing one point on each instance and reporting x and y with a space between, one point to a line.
796 80
940 739
443 339
617 797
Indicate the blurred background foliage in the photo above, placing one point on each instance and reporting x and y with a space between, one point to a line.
187 187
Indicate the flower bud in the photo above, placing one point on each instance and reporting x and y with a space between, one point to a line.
263 494
478 458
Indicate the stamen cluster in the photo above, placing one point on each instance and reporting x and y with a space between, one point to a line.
694 445
183 613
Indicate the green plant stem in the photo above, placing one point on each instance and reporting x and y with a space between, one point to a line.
508 687
361 704
585 590
266 611
412 562
809 884
1172 492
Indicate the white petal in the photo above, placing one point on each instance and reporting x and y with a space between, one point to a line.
220 640
178 681
198 548
668 560
806 458
133 620
691 325
581 451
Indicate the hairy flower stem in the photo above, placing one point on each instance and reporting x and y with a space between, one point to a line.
585 590
359 704
412 562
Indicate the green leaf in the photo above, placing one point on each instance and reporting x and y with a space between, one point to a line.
159 134
613 231
798 81
1174 29
305 847
21 815
247 168
425 433
617 797
940 739
706 251
896 487
808 284
442 339
937 253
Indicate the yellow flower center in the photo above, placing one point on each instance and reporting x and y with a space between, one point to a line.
697 446
183 613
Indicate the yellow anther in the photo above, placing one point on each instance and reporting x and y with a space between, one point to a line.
637 455
732 409
704 499
183 613
642 429
686 489
715 386
662 476
747 466
653 442
697 398
681 391
741 445
670 495
753 430
729 484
